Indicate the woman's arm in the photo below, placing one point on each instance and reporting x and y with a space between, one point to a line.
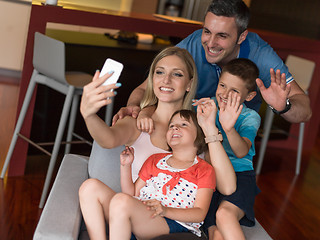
96 96
123 133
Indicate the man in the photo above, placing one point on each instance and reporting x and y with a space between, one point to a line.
225 37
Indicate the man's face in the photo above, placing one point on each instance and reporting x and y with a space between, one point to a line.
220 39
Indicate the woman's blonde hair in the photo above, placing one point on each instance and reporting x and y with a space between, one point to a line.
150 98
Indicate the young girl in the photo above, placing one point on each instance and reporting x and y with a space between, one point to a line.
176 187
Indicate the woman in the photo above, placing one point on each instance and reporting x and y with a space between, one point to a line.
172 84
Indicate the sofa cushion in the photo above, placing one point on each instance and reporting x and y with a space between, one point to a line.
104 164
108 171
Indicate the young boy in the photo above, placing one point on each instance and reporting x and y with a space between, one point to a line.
238 125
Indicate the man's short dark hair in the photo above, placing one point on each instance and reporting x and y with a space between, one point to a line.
232 8
244 69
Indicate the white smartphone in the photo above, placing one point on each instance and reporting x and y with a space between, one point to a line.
111 65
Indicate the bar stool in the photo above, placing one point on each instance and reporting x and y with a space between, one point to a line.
302 72
49 70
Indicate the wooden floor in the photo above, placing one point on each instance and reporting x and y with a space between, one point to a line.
288 206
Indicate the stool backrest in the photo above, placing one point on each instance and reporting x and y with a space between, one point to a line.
301 70
49 57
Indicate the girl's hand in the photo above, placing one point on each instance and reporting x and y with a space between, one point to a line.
206 114
145 123
127 156
95 95
144 120
230 112
156 206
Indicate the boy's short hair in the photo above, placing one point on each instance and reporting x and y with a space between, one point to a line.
189 115
244 69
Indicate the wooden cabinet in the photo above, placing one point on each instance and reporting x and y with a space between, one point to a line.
144 6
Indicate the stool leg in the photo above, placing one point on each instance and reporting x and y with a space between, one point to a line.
56 146
300 145
109 111
264 142
17 129
72 120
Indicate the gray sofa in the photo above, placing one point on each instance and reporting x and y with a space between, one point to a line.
61 217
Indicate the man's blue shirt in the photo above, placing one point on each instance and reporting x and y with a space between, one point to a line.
253 48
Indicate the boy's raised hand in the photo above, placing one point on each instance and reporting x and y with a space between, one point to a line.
230 112
127 156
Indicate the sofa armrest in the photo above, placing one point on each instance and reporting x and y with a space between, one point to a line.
61 216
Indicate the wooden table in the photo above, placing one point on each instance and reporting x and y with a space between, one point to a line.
83 16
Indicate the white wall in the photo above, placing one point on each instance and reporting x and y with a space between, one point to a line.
14 22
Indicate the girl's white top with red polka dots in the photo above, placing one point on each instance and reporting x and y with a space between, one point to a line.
173 187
